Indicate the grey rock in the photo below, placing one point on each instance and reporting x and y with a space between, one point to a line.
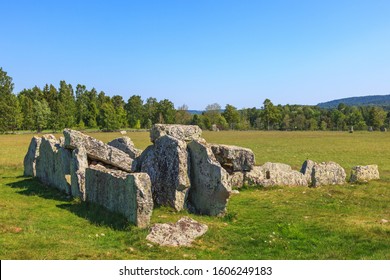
328 173
126 193
236 179
79 162
31 157
181 132
97 150
210 188
364 173
53 164
167 164
275 166
307 170
125 145
255 177
285 178
234 158
181 233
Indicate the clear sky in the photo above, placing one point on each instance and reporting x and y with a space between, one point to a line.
198 52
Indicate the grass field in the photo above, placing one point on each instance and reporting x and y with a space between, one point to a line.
333 222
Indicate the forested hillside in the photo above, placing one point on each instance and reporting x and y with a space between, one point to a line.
373 100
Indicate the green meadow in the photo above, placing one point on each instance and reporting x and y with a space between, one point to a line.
331 222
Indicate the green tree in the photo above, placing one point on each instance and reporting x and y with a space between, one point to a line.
27 105
119 106
271 114
108 120
182 115
66 97
150 115
376 118
41 115
166 111
212 114
231 115
11 115
134 110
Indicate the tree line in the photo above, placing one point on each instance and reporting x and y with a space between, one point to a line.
52 108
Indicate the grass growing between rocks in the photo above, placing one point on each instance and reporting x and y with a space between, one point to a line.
333 222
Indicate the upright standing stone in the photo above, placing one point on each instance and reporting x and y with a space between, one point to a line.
233 158
125 145
31 157
210 188
364 173
98 150
181 132
53 164
79 163
167 164
121 192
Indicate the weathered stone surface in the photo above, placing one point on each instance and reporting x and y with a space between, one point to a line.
31 157
53 164
255 177
181 132
276 166
328 173
125 145
120 192
236 179
79 162
181 233
210 188
285 178
98 150
364 173
274 174
307 170
167 164
234 158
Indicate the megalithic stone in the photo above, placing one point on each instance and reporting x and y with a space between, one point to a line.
98 150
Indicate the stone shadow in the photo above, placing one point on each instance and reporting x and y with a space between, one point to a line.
33 187
97 215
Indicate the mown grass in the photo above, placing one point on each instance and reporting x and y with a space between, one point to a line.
333 222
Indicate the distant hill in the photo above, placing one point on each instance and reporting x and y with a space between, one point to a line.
377 100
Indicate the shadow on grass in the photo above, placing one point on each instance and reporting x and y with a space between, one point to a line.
32 187
97 215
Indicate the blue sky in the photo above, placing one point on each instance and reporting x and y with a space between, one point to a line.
198 52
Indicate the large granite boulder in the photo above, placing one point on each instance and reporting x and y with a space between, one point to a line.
31 157
255 177
364 173
167 164
234 158
125 145
181 233
98 150
53 164
181 132
79 162
285 178
307 170
120 192
327 173
236 179
210 188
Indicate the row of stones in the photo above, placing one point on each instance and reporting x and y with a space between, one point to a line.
312 174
